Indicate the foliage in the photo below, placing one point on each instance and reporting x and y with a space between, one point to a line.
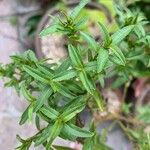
58 93
31 24
144 113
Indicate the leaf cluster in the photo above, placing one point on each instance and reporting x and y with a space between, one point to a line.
58 93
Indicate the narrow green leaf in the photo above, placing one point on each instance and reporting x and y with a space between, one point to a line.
48 72
87 81
65 75
88 144
75 57
16 58
76 131
55 131
45 94
102 59
81 22
105 34
49 30
26 93
75 12
74 86
27 114
37 122
49 112
90 40
118 54
90 56
73 113
63 90
63 66
118 36
36 74
43 136
115 60
20 139
43 116
24 116
139 30
91 66
135 55
31 56
66 135
72 108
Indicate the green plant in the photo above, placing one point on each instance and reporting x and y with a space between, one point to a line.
58 93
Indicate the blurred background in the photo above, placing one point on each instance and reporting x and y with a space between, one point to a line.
20 23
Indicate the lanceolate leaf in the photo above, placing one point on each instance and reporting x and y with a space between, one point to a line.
24 116
43 136
64 65
27 114
30 111
116 61
65 75
49 30
55 131
90 40
49 112
47 71
37 122
76 131
73 112
66 135
26 93
102 59
31 56
20 139
121 34
105 34
45 94
87 81
73 108
74 86
91 66
64 91
139 30
88 144
36 74
77 9
118 54
43 117
81 22
90 55
75 57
